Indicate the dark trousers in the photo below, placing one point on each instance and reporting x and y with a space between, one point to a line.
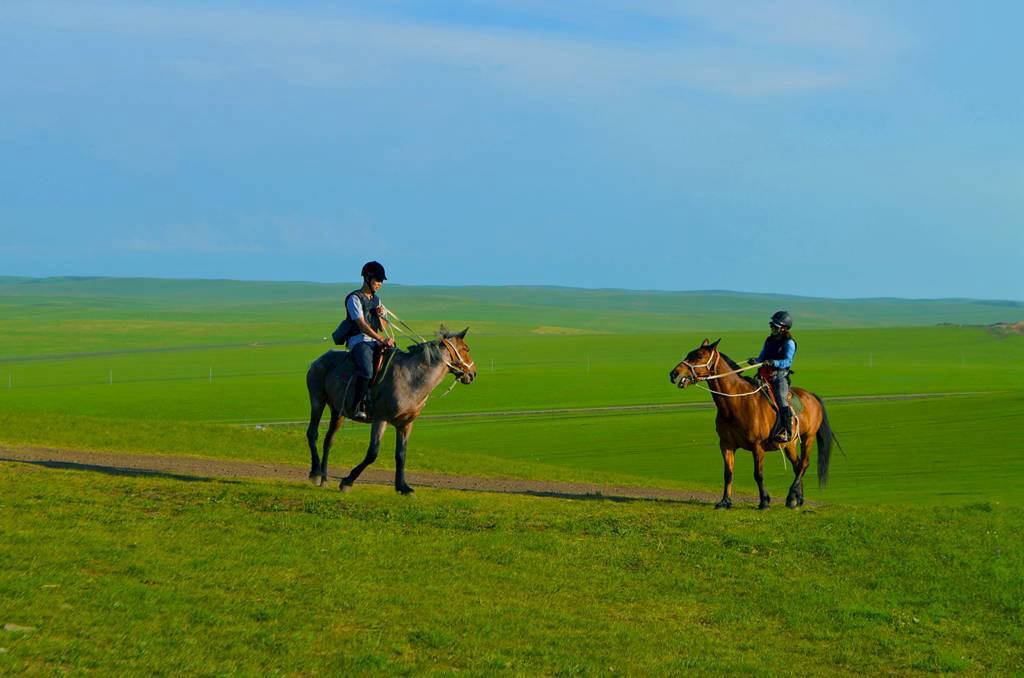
780 387
362 358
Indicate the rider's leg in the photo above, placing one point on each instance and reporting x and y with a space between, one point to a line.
362 359
780 387
787 424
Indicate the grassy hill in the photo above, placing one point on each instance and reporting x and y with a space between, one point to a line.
908 564
121 574
176 366
65 315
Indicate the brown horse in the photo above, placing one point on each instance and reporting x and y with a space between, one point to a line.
745 420
398 395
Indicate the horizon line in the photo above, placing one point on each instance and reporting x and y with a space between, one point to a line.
22 278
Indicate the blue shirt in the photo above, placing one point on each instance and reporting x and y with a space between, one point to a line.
786 361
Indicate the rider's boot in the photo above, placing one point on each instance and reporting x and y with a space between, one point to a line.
360 399
786 430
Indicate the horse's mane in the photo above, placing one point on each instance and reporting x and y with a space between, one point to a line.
422 346
734 365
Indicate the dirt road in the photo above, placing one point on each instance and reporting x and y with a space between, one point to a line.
191 468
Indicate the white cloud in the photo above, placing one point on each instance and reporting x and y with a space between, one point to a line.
343 50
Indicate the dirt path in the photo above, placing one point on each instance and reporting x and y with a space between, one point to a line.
194 468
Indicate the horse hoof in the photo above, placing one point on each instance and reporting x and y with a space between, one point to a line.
724 504
405 491
345 487
763 506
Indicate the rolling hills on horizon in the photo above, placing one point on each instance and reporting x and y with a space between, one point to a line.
487 308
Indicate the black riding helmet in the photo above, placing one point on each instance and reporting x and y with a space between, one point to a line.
373 269
782 319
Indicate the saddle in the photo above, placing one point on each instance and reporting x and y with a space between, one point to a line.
768 394
342 366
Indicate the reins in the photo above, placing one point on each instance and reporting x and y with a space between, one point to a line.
415 335
713 362
460 366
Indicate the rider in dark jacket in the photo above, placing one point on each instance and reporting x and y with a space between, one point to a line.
365 310
777 356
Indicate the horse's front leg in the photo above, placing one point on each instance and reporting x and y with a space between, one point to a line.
759 477
376 433
728 459
402 440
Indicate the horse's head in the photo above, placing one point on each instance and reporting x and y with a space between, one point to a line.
460 362
698 365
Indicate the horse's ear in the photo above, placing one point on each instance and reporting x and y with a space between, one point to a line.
704 344
442 332
462 334
714 345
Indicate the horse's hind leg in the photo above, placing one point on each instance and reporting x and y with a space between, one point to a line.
332 428
795 496
376 433
316 410
796 491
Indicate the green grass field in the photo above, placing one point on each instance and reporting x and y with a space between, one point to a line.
929 492
158 576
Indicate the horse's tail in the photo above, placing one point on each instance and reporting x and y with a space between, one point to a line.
825 436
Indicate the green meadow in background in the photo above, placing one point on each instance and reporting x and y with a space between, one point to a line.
201 367
908 563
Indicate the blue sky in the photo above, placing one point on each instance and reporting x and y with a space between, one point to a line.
822 148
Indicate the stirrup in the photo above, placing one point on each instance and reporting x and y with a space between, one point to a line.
362 412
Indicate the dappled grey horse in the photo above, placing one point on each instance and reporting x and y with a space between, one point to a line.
397 396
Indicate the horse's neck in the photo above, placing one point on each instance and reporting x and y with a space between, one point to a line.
423 371
733 385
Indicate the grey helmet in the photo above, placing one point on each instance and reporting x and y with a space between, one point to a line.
782 319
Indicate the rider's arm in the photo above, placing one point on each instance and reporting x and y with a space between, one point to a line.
760 356
355 311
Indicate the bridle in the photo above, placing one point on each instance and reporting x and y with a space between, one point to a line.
713 362
460 367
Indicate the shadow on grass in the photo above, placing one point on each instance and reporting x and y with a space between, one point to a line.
119 470
506 486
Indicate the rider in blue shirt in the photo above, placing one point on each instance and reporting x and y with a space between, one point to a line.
777 355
